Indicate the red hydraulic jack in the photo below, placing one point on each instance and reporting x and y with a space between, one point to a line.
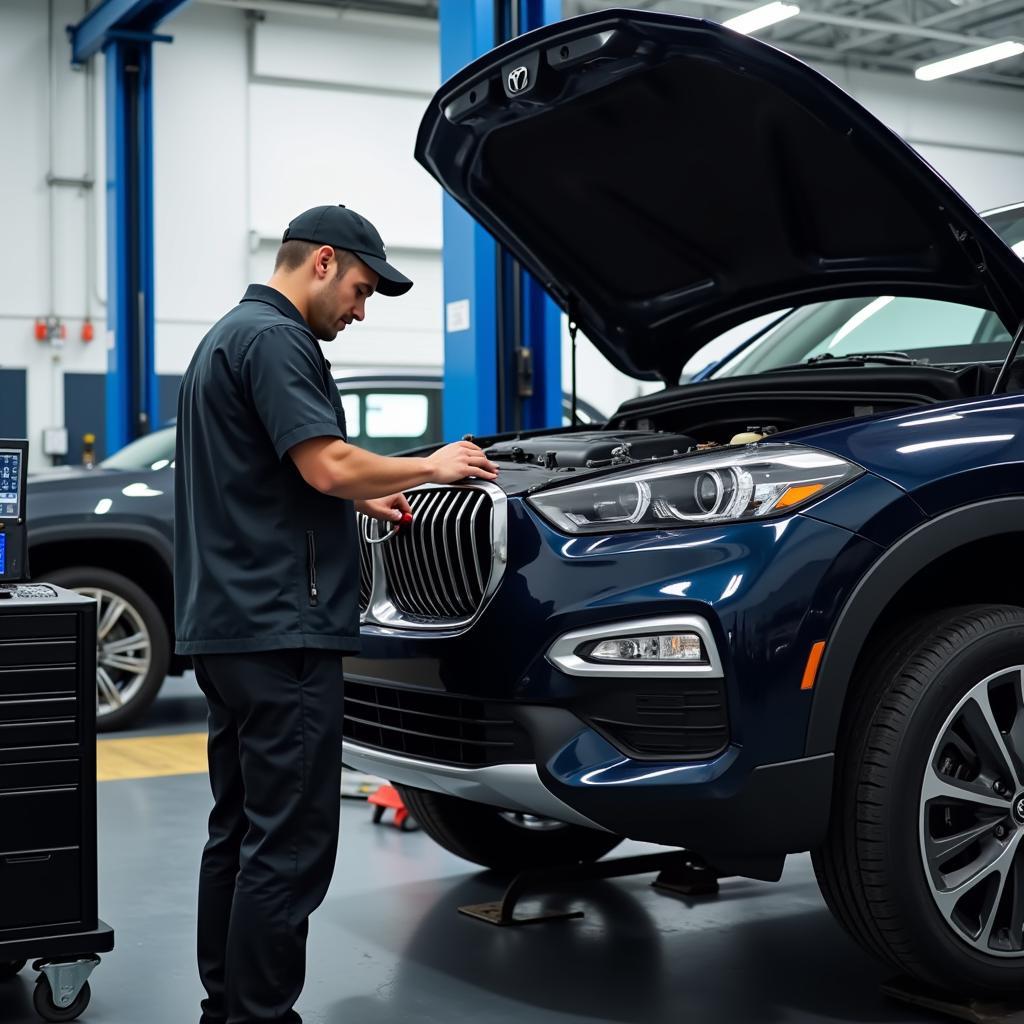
386 798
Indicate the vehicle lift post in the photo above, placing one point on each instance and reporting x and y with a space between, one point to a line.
503 334
124 30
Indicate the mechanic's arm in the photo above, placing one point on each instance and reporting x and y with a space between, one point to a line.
334 467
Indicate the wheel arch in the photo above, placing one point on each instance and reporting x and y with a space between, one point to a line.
140 553
909 577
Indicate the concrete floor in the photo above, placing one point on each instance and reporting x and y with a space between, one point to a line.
387 946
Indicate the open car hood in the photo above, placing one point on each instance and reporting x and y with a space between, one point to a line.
666 179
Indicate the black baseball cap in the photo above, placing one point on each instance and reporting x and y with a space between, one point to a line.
345 229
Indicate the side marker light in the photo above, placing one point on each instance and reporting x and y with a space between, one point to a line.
813 661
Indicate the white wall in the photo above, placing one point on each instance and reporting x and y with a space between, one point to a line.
259 120
256 121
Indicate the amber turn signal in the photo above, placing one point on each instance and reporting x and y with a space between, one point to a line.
796 495
813 661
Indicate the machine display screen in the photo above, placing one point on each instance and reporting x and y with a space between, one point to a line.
3 553
10 482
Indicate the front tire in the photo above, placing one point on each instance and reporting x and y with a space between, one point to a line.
501 840
132 644
924 862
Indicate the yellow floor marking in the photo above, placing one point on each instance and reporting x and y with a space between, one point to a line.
150 756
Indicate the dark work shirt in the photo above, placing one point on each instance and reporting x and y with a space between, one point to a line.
262 561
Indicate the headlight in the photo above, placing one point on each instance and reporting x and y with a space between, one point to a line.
734 484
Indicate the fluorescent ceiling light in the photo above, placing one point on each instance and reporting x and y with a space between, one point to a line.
761 17
966 61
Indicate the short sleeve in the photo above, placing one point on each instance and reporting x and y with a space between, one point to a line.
282 377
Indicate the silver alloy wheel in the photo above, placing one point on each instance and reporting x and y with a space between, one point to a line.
532 822
972 816
124 650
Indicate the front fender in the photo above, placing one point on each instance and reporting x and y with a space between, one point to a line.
901 563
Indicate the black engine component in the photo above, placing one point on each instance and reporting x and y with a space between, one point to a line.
577 450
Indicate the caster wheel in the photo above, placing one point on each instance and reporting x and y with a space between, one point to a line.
42 999
9 968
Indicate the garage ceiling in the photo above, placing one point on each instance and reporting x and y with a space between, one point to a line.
889 35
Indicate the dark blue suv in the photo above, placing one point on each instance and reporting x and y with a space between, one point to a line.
770 612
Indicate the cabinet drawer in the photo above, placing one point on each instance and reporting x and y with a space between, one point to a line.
40 775
48 708
15 682
38 732
40 819
40 889
37 652
32 627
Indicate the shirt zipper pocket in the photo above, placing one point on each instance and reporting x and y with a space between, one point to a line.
314 594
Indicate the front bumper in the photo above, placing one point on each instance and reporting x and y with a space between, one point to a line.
777 809
766 592
512 787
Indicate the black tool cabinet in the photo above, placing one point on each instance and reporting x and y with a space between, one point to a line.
48 888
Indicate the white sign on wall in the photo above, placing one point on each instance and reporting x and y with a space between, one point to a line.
457 318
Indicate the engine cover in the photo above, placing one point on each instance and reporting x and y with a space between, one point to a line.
578 450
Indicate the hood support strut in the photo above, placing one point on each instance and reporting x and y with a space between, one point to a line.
1004 373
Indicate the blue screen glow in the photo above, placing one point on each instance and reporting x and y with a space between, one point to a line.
3 553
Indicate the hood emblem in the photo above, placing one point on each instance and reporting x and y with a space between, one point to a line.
518 79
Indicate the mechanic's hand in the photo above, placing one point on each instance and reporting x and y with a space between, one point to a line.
457 461
387 510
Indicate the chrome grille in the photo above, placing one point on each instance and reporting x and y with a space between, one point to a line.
363 525
439 567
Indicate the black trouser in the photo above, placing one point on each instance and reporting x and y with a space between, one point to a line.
275 770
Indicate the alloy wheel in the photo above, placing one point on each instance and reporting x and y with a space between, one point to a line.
972 816
124 650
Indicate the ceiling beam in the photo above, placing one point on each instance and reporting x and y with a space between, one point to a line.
871 24
953 14
99 26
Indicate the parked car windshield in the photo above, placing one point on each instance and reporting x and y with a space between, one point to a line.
154 451
927 330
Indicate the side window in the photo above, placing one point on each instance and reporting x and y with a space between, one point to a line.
388 420
353 414
397 415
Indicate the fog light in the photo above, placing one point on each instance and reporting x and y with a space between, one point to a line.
661 648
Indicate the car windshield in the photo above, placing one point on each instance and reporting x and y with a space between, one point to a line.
926 330
154 451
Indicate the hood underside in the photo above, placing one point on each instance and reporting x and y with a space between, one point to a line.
666 178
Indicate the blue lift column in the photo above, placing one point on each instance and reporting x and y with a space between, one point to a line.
124 31
502 343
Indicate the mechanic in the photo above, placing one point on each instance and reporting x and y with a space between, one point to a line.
266 575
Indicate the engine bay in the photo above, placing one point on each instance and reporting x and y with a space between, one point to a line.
598 449
713 414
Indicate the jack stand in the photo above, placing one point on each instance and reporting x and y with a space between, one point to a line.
386 798
977 1011
679 872
689 877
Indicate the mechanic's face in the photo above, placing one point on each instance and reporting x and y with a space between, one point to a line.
338 300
